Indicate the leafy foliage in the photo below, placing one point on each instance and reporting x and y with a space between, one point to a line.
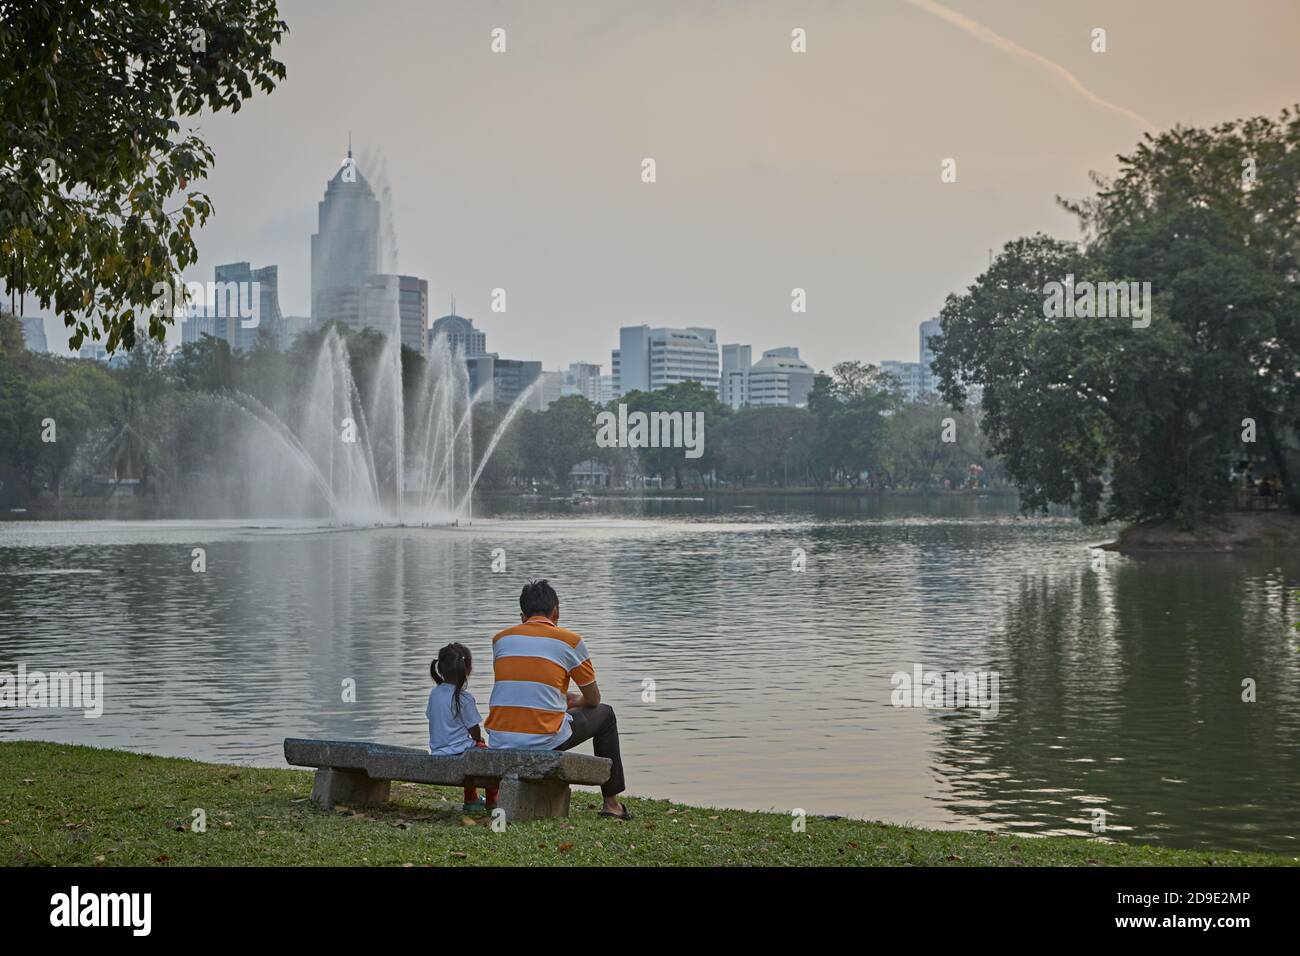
92 153
1141 424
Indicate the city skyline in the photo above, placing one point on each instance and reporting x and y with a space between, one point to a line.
776 170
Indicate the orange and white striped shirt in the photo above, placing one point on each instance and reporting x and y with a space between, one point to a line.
533 663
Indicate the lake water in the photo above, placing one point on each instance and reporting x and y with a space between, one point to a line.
1119 688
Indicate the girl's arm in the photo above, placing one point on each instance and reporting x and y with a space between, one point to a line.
476 734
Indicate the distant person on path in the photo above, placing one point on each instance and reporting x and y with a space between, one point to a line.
453 716
531 708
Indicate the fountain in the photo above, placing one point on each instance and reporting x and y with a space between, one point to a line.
369 458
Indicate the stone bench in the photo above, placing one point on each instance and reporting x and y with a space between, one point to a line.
534 784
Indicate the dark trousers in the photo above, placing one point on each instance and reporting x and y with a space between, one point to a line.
598 725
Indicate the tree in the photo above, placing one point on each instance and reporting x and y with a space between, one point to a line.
684 398
77 396
1139 423
915 453
207 365
555 440
91 152
848 409
768 444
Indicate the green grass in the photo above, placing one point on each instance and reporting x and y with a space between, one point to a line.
62 805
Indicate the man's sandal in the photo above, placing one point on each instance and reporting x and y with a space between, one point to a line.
625 815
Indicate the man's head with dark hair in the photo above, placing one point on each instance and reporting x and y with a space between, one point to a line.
538 597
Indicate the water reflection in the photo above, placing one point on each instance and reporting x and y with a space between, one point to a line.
1120 689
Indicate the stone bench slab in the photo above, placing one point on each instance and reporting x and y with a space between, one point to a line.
534 783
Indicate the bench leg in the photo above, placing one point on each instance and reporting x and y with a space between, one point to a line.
350 787
533 799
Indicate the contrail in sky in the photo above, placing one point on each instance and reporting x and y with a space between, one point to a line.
985 35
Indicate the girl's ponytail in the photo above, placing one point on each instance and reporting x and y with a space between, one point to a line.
452 666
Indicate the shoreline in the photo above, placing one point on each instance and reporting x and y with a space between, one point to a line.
1237 532
72 805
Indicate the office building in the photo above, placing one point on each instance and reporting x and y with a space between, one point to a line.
583 378
386 303
780 377
345 250
649 359
733 387
460 334
907 375
501 381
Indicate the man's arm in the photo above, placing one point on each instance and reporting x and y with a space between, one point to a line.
588 696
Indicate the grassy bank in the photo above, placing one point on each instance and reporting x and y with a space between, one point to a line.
78 806
1238 531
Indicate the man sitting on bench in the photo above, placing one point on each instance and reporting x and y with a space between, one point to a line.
530 708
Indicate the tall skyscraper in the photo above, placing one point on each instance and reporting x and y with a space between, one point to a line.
734 385
345 250
650 359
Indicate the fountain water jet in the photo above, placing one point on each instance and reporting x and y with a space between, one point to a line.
359 452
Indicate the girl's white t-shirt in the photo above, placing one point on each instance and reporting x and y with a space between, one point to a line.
448 731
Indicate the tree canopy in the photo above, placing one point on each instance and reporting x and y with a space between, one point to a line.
1143 423
96 209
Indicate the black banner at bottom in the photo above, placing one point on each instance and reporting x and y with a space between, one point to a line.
217 904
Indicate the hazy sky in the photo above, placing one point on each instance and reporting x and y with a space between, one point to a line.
775 170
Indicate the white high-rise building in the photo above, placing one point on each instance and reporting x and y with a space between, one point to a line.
649 359
908 376
733 387
780 377
583 378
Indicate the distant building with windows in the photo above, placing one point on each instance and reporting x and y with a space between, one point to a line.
606 389
583 378
733 386
460 334
780 377
917 380
91 349
501 380
34 333
649 359
908 377
386 303
239 307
